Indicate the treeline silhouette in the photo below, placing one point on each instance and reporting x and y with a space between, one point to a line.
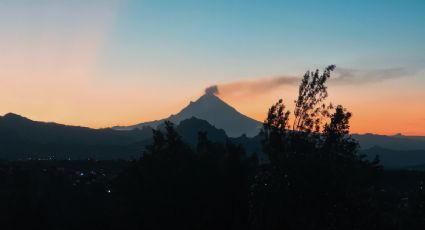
313 178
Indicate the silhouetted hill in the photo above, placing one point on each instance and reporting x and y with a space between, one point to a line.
21 137
47 132
212 109
190 128
396 159
396 152
396 142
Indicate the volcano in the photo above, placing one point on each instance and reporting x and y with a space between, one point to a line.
211 108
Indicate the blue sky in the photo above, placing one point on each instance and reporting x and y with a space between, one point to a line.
237 38
127 61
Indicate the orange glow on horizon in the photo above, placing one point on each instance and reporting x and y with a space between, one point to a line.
51 70
376 108
365 119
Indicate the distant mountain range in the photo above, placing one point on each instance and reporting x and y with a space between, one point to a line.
396 159
395 142
212 109
22 138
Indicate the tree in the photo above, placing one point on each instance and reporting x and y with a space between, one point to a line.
309 106
336 134
275 129
316 179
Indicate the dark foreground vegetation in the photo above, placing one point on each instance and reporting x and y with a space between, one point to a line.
38 195
314 179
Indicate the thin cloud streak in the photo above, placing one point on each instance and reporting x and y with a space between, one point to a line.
342 76
254 87
358 77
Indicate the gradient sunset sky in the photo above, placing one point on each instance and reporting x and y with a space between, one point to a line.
104 63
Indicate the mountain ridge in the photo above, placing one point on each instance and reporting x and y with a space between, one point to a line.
21 137
211 108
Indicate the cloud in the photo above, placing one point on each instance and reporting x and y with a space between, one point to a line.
345 76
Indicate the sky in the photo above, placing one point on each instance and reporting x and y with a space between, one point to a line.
100 63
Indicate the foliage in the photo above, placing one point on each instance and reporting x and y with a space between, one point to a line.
316 179
172 185
309 105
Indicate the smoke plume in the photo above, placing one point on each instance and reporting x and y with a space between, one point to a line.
212 90
255 87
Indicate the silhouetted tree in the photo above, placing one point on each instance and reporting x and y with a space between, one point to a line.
316 179
309 106
172 185
275 130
